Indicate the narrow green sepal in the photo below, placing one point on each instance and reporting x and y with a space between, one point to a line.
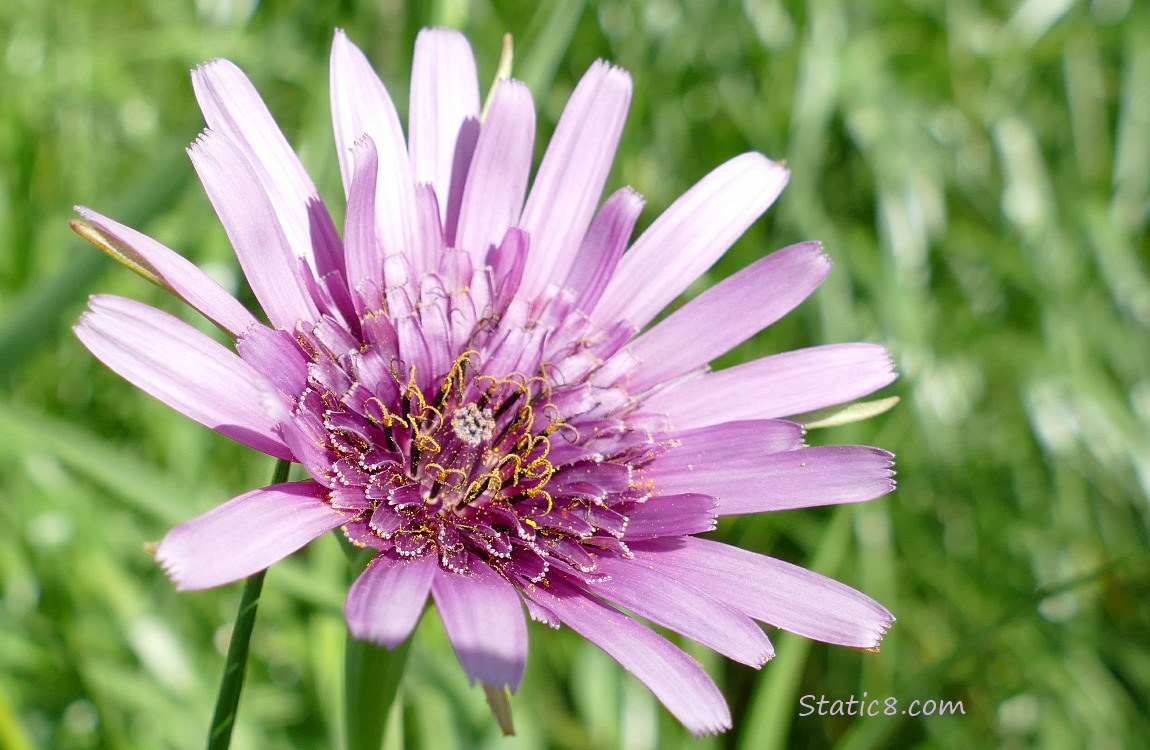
846 414
119 252
499 699
502 73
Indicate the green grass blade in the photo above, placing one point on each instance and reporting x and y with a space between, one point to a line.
228 700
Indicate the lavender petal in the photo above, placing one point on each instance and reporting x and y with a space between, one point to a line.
173 362
690 236
783 384
684 609
385 602
254 230
182 276
246 534
728 313
483 615
674 677
770 590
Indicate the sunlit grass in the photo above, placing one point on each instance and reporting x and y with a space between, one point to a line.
980 175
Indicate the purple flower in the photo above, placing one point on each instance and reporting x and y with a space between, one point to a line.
464 377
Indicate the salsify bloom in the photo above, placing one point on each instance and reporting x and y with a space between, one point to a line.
466 378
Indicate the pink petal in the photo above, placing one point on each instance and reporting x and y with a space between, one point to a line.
689 237
360 104
444 106
429 247
674 677
778 386
746 483
573 172
603 247
254 230
385 602
771 590
497 180
541 614
246 534
507 263
180 275
364 254
684 609
483 615
173 362
735 443
671 515
233 107
728 313
276 355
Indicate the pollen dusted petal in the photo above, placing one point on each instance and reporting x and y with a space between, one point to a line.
276 355
385 602
744 442
671 515
246 534
483 615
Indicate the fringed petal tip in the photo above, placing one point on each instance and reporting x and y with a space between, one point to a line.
609 68
763 657
198 141
891 364
889 460
541 614
883 627
174 568
200 68
710 728
881 623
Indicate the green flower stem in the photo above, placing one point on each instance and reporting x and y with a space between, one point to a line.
372 677
228 699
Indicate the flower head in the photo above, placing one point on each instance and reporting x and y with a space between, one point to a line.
464 377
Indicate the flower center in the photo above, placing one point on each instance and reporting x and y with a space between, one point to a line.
472 425
476 465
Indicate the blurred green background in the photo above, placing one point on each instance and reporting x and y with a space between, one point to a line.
979 172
